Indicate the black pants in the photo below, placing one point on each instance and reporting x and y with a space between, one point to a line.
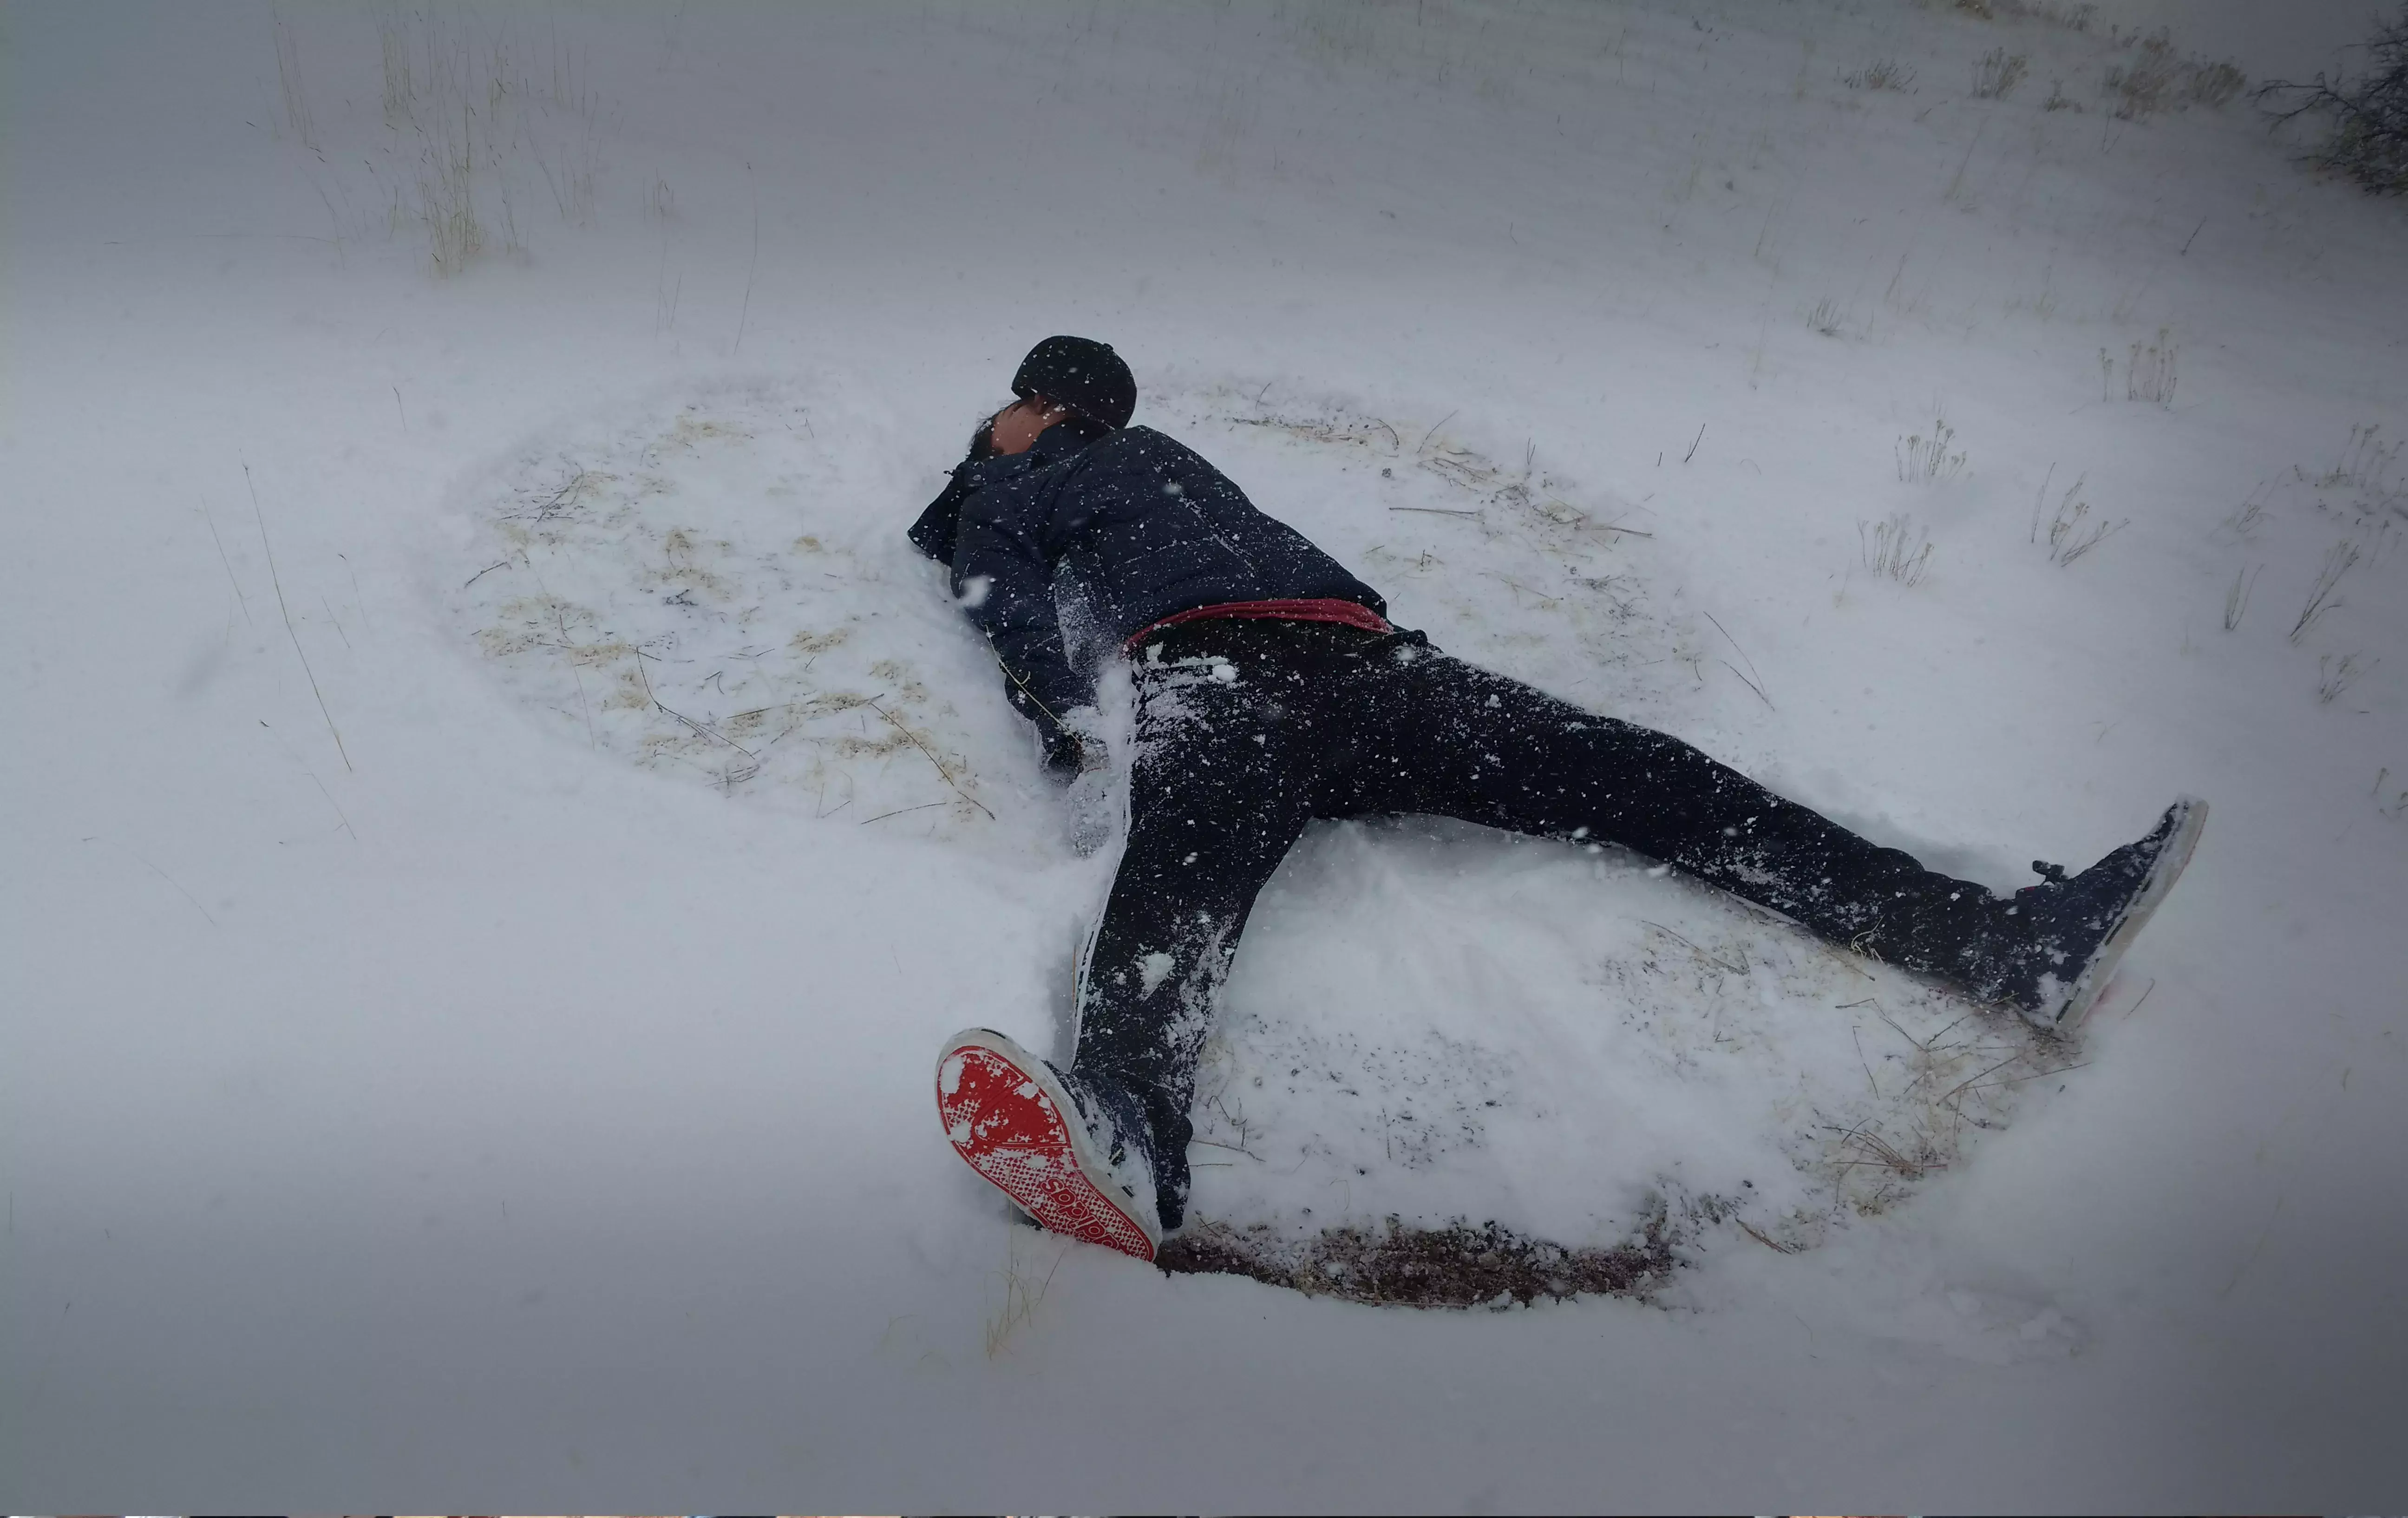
1248 730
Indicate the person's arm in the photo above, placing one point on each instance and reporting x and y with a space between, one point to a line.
934 533
1003 577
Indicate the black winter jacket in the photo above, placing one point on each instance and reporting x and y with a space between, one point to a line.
1143 528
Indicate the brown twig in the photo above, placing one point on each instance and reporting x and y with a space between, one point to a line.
274 580
1748 1228
898 811
941 768
2145 995
704 728
1739 968
1234 1149
754 264
1976 1076
1755 684
245 600
162 875
2055 1069
1433 432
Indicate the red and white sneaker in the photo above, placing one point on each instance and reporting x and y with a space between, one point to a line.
1024 1125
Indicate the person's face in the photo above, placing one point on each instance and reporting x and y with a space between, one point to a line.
1016 427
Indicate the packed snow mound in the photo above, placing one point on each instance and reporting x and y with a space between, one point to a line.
713 585
1433 1022
1429 1023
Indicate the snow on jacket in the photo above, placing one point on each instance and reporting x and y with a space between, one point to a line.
1142 528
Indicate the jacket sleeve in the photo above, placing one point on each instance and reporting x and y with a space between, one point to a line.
933 533
1003 576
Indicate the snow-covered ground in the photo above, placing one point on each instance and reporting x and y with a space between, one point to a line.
500 820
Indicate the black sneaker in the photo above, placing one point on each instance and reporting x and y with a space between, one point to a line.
2064 936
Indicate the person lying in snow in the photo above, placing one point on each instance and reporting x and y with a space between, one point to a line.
1272 690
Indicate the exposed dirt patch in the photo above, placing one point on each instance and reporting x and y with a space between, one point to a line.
1457 1266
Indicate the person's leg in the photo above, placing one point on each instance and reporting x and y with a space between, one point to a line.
1220 788
1450 738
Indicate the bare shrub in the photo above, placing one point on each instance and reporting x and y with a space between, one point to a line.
2214 85
1881 74
2143 87
2368 138
1998 73
2157 78
2149 373
1827 318
2059 100
1927 460
1897 547
2073 16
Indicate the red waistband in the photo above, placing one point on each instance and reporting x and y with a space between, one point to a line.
1330 609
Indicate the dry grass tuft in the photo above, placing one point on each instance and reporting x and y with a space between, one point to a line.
2335 676
2236 600
1881 74
2149 371
2073 17
2155 78
478 120
1897 547
2072 534
1926 460
2321 598
1998 73
1023 1292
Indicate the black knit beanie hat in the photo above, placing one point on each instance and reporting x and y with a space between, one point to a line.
1082 374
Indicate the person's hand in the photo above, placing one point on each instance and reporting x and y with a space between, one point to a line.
1071 753
1079 760
1072 743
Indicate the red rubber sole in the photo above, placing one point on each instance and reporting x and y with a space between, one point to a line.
1001 1121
